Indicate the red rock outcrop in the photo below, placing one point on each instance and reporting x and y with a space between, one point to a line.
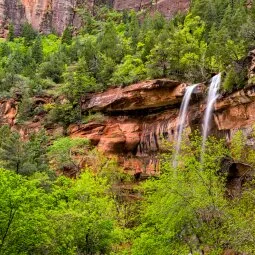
55 15
8 112
167 7
236 111
144 95
139 117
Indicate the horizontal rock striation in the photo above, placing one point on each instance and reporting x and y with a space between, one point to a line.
139 118
144 95
55 15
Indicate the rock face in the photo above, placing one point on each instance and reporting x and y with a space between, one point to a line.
236 112
145 95
167 7
140 117
8 112
55 15
45 15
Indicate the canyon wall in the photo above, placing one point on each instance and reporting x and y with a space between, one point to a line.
55 15
138 119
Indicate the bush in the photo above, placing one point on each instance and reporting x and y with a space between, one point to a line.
96 117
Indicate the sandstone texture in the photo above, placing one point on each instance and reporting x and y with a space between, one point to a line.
139 118
47 16
167 7
145 95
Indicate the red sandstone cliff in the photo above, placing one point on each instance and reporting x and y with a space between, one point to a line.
139 117
54 15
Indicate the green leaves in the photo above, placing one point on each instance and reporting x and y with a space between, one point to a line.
184 209
68 153
23 222
131 70
23 157
75 217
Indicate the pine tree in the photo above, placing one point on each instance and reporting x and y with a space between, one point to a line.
12 152
11 33
37 50
23 157
67 36
28 33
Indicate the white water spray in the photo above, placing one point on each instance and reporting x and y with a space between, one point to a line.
212 97
182 121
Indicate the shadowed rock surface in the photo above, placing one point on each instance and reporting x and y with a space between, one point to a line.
55 15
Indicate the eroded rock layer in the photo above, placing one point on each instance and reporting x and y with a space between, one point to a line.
140 117
55 15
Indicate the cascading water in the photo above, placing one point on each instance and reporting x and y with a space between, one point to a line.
212 97
182 121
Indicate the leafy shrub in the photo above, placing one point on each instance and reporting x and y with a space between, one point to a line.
94 117
64 114
131 70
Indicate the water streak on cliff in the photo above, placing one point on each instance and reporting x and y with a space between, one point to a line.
182 120
153 135
211 99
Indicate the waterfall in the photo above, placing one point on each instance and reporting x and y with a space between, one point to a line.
212 96
182 121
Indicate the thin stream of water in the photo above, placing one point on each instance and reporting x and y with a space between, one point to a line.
212 97
182 121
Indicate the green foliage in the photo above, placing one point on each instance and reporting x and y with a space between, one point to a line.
25 109
131 70
11 33
34 221
78 82
229 81
37 50
96 117
23 221
53 68
235 79
67 36
186 210
115 48
68 153
240 151
64 114
83 205
28 33
237 146
23 157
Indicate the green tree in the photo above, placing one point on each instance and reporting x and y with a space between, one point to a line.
67 36
86 205
185 210
78 82
23 157
131 70
11 33
158 65
54 67
28 33
12 153
68 154
37 50
107 38
24 226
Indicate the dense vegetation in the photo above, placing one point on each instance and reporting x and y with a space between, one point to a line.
186 210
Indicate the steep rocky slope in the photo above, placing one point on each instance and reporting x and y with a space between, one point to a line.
138 118
54 15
